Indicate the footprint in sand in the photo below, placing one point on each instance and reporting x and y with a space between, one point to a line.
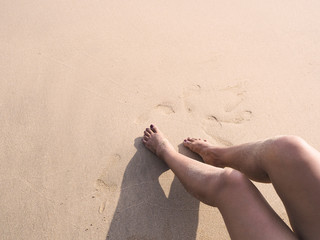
104 190
225 105
223 128
235 118
106 185
190 93
219 111
236 95
164 108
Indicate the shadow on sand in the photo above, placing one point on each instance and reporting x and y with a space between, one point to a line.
143 211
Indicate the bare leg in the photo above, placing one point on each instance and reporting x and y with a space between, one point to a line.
245 211
288 162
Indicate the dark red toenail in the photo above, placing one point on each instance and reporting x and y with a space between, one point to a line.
151 126
185 140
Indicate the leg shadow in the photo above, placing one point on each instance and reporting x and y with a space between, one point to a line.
144 212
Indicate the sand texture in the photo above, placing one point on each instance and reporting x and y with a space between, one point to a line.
81 80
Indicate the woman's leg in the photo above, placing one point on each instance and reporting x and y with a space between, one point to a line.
246 213
288 162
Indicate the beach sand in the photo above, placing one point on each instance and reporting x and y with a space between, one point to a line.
81 80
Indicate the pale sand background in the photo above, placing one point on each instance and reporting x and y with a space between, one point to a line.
80 81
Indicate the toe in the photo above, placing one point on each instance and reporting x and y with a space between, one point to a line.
187 143
146 133
148 130
154 128
145 138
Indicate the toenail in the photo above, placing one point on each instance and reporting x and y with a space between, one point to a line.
185 140
151 125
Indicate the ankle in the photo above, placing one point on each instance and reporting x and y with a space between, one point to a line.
214 156
163 148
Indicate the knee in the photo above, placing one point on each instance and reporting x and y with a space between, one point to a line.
230 181
231 178
289 149
288 144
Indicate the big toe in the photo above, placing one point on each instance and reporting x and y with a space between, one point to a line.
154 128
188 142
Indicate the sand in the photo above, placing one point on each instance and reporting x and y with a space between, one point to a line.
81 80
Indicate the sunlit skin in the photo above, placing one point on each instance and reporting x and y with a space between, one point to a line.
224 181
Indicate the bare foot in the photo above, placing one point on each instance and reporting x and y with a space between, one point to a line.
208 152
155 141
